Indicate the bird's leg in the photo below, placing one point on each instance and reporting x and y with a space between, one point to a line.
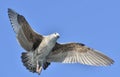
38 68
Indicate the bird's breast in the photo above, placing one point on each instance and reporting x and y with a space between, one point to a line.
43 50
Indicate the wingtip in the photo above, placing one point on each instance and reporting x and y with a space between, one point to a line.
112 62
9 10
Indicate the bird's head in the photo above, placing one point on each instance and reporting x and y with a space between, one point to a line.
56 35
53 37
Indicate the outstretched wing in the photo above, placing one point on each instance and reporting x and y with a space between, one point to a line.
27 38
78 53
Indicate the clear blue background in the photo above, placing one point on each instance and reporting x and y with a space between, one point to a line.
95 23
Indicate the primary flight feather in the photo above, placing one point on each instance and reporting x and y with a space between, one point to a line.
42 50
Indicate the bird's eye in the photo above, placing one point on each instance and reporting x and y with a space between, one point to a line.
55 33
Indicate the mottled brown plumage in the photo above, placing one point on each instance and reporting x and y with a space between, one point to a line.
65 53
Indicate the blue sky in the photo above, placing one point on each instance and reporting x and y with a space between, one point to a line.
95 23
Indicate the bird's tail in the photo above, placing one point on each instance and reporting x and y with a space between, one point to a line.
28 62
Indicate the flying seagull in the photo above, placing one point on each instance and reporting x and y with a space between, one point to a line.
42 50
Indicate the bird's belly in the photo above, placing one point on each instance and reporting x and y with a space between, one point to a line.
42 53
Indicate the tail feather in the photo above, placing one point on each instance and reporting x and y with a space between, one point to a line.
45 65
29 63
27 59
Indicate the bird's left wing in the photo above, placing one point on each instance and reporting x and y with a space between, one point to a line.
27 37
78 53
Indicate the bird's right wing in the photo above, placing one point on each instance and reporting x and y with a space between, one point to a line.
78 53
27 38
